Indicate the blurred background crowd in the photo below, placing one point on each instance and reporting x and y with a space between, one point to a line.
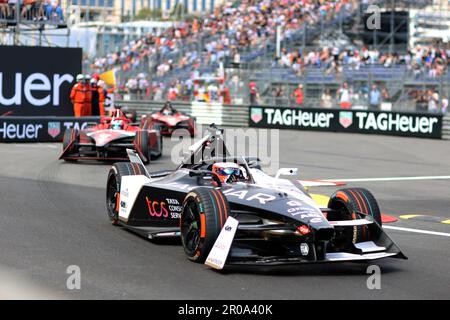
309 53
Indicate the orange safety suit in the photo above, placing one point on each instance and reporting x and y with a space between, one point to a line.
78 96
87 109
101 100
98 101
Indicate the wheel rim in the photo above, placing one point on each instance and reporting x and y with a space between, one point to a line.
348 233
190 228
111 198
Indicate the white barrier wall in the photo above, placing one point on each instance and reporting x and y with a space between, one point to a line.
207 113
239 115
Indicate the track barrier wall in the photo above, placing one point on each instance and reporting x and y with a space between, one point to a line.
435 126
354 121
36 81
446 128
40 129
425 125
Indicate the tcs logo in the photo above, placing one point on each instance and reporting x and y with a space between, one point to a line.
157 209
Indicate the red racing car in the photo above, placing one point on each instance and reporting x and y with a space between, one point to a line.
168 119
109 139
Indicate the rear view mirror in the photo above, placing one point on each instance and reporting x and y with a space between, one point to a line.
286 172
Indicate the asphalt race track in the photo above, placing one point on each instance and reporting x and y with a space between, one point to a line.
52 215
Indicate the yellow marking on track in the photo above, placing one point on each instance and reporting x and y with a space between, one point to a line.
446 221
409 216
320 199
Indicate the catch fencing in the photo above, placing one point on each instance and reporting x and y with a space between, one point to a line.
243 115
205 113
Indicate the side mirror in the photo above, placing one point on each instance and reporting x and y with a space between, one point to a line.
286 172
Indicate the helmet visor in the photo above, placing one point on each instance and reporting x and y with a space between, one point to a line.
229 171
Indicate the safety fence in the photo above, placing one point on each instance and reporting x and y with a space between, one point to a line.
412 124
425 125
205 113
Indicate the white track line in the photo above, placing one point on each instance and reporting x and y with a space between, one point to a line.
389 179
418 231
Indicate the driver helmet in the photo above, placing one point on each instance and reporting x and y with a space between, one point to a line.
117 124
228 171
167 110
80 77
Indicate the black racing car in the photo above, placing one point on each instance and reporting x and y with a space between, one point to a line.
269 220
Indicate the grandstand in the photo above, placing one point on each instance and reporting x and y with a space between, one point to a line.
277 45
278 64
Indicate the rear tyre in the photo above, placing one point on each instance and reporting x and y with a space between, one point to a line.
70 135
158 127
141 141
117 171
348 202
205 211
159 147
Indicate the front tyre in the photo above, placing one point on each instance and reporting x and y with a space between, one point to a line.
117 171
348 203
205 211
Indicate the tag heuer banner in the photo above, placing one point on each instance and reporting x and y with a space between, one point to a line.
44 129
357 121
36 81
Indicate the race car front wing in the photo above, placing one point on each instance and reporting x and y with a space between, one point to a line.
228 251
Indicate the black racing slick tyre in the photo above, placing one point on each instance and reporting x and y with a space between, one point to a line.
159 143
117 171
158 127
70 138
142 142
160 148
351 201
205 211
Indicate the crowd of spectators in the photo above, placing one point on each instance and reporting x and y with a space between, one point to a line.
237 26
232 27
138 87
430 61
429 100
180 90
31 10
349 96
138 52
